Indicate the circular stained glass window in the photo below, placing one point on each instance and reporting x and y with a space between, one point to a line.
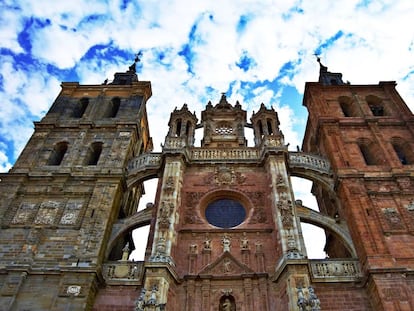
225 213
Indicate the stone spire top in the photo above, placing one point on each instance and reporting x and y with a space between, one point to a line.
326 77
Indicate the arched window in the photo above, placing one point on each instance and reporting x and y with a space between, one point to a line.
368 152
187 128
260 128
375 105
178 128
403 151
113 108
347 106
58 153
80 108
269 127
94 153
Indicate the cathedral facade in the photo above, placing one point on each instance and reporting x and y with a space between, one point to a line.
225 227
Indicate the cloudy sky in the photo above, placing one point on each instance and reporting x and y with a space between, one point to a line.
254 51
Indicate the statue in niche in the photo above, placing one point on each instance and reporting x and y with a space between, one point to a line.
226 243
207 243
244 242
227 304
193 249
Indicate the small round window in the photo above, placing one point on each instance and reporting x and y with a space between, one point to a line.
225 213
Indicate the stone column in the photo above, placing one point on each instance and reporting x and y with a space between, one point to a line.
165 235
284 211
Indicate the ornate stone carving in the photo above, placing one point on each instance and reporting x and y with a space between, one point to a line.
404 183
193 249
149 300
227 268
285 209
224 176
190 214
47 213
393 218
224 154
311 302
226 242
25 213
410 207
71 213
165 212
71 290
207 243
74 290
116 272
334 270
259 213
280 183
162 258
244 242
169 186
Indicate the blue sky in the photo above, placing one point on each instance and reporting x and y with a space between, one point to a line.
255 51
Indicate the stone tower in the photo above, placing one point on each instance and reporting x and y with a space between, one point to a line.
66 192
367 134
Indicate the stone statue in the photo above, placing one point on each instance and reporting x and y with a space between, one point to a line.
226 243
227 266
139 305
227 305
314 301
125 252
207 243
244 242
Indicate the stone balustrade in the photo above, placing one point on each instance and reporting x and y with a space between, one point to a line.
175 143
335 270
145 160
296 159
202 154
123 272
311 161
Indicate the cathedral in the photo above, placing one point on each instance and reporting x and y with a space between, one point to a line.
225 227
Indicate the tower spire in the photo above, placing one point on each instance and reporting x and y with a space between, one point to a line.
326 77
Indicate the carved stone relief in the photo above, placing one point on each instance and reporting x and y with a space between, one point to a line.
286 213
392 218
259 213
25 213
404 183
71 213
410 207
169 186
47 213
166 210
225 176
190 214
